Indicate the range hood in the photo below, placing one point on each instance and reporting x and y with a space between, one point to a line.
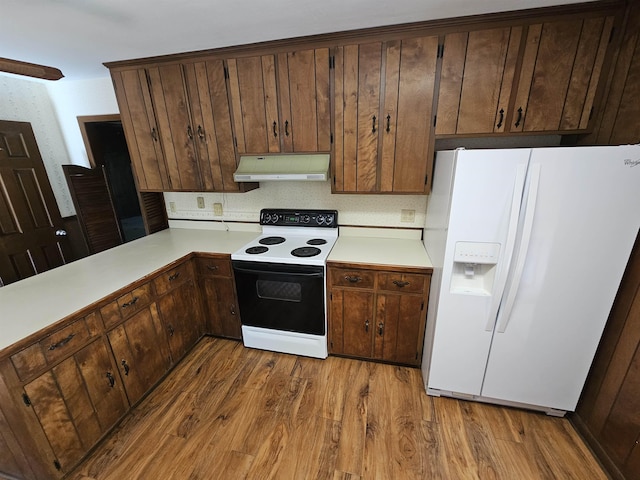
313 167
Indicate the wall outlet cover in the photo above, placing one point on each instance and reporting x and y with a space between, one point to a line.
200 202
217 209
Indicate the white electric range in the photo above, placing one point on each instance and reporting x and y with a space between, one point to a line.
280 281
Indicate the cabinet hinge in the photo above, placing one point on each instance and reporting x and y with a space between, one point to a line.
440 53
235 141
426 179
422 306
226 72
331 138
435 117
331 296
26 399
332 62
56 464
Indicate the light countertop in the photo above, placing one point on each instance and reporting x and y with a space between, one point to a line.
403 248
34 303
37 302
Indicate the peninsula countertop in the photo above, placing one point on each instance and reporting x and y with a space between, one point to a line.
34 303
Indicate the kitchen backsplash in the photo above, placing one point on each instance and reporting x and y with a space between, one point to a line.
406 211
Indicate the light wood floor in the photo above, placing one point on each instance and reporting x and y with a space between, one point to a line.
229 412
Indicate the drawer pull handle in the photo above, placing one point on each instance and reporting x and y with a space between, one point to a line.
62 342
286 128
380 328
171 330
112 381
131 303
499 125
519 119
352 278
275 132
174 276
366 325
400 283
125 366
213 268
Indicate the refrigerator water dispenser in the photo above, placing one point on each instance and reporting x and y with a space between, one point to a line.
474 268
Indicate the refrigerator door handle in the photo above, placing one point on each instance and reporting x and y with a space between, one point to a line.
501 281
532 197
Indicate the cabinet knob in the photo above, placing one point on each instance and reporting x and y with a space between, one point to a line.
352 278
171 331
112 381
125 366
380 328
233 309
200 132
366 325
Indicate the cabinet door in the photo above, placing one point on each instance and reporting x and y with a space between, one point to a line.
399 328
77 401
406 118
211 117
252 83
560 71
181 318
141 130
476 80
303 91
351 323
174 122
141 352
357 117
220 303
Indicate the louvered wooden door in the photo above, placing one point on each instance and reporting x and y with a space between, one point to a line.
29 215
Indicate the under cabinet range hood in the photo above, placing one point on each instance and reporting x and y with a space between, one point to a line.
263 168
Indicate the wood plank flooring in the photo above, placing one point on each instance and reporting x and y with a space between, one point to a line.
229 412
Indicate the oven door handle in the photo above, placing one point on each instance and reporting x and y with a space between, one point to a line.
272 272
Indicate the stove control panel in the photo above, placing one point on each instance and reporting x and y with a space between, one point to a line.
299 218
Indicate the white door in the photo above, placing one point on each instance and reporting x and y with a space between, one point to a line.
584 225
486 183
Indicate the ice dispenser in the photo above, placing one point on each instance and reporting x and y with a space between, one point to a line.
474 268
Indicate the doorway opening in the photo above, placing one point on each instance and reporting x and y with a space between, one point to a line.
107 149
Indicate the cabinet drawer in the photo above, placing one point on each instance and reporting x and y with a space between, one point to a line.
398 282
172 278
53 347
350 277
126 305
219 266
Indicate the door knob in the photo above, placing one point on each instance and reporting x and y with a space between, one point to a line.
61 233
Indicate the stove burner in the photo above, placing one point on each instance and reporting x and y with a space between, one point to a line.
271 240
305 252
256 250
317 241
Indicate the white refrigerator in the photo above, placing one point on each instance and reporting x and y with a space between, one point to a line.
529 247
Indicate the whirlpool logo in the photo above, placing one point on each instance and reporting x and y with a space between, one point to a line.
631 163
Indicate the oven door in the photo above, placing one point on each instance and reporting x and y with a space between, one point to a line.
280 296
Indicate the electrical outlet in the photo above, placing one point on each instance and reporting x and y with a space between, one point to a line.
407 216
200 202
217 209
172 207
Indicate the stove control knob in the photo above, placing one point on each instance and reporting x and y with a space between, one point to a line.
320 219
329 220
305 218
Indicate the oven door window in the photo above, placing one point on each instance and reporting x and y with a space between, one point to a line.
281 297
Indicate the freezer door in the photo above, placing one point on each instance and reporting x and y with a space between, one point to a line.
485 185
585 221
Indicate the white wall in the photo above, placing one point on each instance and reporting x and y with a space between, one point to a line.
72 99
24 100
360 210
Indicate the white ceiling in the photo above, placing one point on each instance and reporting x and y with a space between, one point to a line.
77 36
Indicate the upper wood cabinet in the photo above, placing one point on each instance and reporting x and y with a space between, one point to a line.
178 123
383 107
281 102
141 130
541 77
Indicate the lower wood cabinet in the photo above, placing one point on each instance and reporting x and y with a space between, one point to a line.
77 401
377 313
217 287
141 351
